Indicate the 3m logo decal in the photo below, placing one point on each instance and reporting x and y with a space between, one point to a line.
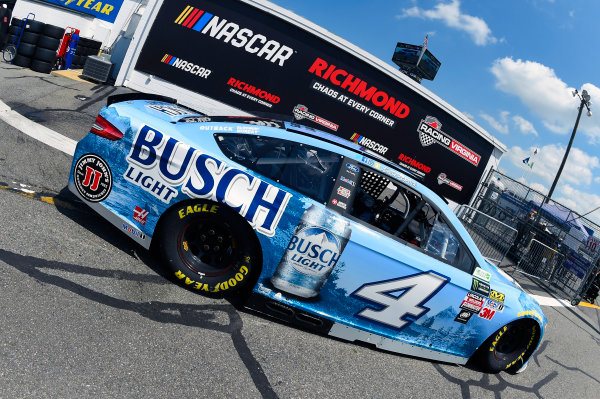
232 33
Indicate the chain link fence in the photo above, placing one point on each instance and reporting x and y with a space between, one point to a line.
552 242
492 237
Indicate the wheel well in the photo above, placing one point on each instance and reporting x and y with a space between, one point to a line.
530 350
253 236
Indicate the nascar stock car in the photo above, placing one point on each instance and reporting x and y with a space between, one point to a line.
308 228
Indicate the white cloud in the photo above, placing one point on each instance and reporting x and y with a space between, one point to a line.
524 125
579 201
546 95
495 124
451 15
578 170
597 180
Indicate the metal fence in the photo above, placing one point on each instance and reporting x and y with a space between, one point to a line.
492 237
552 242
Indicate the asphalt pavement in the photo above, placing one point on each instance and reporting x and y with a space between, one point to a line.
88 313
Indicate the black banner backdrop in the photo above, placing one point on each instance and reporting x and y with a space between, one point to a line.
252 60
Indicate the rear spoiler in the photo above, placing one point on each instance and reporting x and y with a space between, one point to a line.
117 98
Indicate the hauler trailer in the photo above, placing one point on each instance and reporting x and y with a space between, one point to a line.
252 57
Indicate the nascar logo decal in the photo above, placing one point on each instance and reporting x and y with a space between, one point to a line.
230 32
430 132
368 143
186 66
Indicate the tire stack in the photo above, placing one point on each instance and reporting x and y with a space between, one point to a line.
38 46
85 48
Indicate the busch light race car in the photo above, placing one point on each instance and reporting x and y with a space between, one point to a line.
307 227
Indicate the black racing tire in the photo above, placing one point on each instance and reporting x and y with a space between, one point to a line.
41 66
13 30
26 49
22 61
35 26
84 42
30 37
510 346
48 42
208 248
53 31
15 22
45 55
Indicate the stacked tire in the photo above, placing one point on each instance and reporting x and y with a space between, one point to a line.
38 45
85 48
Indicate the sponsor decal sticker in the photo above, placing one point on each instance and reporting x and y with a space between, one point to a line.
301 112
133 231
473 302
463 317
491 304
338 203
430 133
348 181
480 287
186 66
497 296
195 119
487 313
368 143
163 166
443 179
231 33
343 191
93 178
353 169
371 163
482 274
140 215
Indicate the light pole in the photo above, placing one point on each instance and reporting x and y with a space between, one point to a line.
585 102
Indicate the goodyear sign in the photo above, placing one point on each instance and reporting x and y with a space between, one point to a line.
105 10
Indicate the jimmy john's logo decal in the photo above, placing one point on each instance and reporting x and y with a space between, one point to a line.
301 112
443 179
186 66
92 177
229 32
163 166
430 133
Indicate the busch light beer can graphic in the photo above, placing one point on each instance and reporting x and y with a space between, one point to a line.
312 253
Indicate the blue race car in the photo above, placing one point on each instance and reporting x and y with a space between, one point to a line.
306 227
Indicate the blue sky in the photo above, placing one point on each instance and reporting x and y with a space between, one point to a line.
509 65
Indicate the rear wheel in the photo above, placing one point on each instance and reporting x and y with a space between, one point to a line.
208 248
510 346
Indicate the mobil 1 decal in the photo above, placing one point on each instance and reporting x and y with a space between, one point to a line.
250 59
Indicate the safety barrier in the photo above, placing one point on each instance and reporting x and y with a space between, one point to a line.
539 260
493 237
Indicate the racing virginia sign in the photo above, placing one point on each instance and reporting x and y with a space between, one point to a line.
247 58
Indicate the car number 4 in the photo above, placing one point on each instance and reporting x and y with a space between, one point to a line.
400 310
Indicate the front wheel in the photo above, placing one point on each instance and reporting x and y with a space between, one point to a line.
510 346
9 53
208 248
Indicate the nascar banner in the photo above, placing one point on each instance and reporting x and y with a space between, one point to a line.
247 58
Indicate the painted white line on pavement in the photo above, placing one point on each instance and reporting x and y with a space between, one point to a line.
547 301
37 131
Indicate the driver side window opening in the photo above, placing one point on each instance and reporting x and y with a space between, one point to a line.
407 215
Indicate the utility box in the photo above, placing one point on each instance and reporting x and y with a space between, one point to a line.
97 68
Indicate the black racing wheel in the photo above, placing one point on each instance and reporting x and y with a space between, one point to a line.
208 248
510 346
